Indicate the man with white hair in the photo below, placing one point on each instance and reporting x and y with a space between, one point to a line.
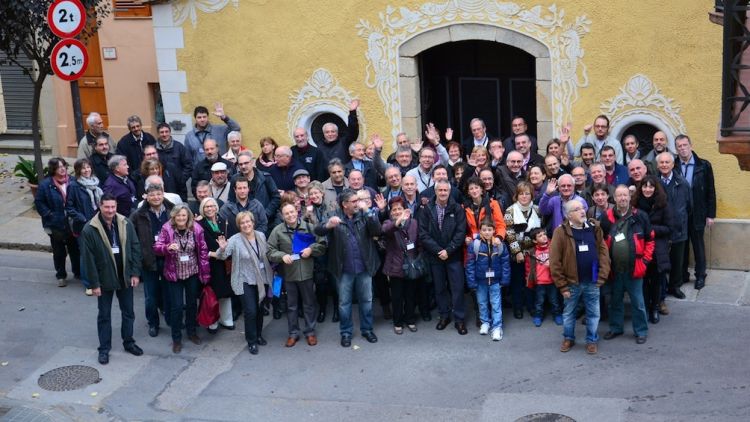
551 205
96 128
479 137
335 146
283 171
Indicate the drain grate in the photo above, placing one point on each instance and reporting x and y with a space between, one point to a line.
67 378
545 417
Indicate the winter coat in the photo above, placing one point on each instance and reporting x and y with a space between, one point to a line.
340 147
167 237
202 171
393 265
123 189
175 153
680 197
365 228
473 224
280 244
99 263
50 205
450 237
562 259
480 260
640 238
142 223
704 192
78 206
262 188
229 212
660 219
313 160
551 206
130 148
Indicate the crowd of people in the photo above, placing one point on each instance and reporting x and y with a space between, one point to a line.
555 236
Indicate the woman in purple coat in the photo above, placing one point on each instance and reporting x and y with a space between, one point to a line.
182 244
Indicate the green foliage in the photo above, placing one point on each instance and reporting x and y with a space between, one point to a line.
25 168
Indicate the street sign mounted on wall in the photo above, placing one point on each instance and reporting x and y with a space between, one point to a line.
66 18
69 59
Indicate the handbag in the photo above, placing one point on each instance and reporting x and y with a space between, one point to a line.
208 311
414 268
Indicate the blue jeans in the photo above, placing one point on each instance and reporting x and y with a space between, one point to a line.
361 285
589 293
622 283
548 291
490 295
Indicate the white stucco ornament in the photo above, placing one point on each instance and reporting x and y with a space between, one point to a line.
548 25
183 9
640 101
321 93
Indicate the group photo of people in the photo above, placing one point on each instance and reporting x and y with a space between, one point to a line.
435 231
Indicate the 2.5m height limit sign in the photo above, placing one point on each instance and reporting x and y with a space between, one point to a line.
69 59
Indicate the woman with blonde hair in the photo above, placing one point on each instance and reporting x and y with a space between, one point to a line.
251 272
182 244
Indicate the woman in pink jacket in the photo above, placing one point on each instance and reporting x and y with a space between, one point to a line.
183 246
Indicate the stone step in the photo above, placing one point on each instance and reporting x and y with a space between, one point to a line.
16 145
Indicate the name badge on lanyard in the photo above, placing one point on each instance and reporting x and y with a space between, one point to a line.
115 250
184 258
409 246
619 237
489 274
583 248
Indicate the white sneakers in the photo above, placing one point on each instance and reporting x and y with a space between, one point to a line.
484 329
497 334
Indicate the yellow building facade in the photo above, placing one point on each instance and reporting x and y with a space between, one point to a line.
276 65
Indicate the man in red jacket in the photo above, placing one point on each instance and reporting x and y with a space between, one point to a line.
631 246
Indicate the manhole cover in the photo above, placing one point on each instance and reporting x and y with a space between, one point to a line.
68 378
545 417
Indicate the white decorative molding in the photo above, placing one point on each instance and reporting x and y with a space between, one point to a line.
321 94
183 9
562 38
640 101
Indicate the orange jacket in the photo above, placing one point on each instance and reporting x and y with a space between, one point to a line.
473 226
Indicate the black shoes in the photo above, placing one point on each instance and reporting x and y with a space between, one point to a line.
134 350
442 323
321 316
609 335
518 313
153 331
262 341
227 327
461 328
700 283
253 349
426 317
346 341
370 337
676 292
335 317
103 358
640 340
653 316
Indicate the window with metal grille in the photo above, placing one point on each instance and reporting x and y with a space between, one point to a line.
131 9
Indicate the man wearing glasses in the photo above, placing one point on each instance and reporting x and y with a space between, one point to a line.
598 139
262 186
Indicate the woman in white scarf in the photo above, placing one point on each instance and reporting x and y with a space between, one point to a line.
520 219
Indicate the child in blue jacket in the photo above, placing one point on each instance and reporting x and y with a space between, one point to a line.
488 268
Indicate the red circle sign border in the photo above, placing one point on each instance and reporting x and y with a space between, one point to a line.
57 48
55 30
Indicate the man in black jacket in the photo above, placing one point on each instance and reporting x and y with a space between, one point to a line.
700 176
681 200
131 145
148 220
353 261
173 152
335 146
262 186
311 158
202 169
100 159
442 227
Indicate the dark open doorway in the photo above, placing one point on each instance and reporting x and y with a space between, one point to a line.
467 79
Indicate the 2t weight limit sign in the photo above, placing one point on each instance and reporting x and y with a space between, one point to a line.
66 18
69 59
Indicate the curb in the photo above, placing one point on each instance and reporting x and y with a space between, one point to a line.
26 247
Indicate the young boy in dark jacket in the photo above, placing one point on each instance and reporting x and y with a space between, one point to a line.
488 268
539 278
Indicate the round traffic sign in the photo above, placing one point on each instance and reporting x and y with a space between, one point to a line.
69 59
66 18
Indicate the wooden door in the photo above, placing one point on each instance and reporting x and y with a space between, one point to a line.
91 84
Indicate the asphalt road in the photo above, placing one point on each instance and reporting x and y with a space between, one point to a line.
693 367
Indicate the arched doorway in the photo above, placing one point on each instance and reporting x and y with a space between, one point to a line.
476 78
644 133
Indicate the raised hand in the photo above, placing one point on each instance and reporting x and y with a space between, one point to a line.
551 186
380 201
377 141
219 110
431 133
353 105
449 134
